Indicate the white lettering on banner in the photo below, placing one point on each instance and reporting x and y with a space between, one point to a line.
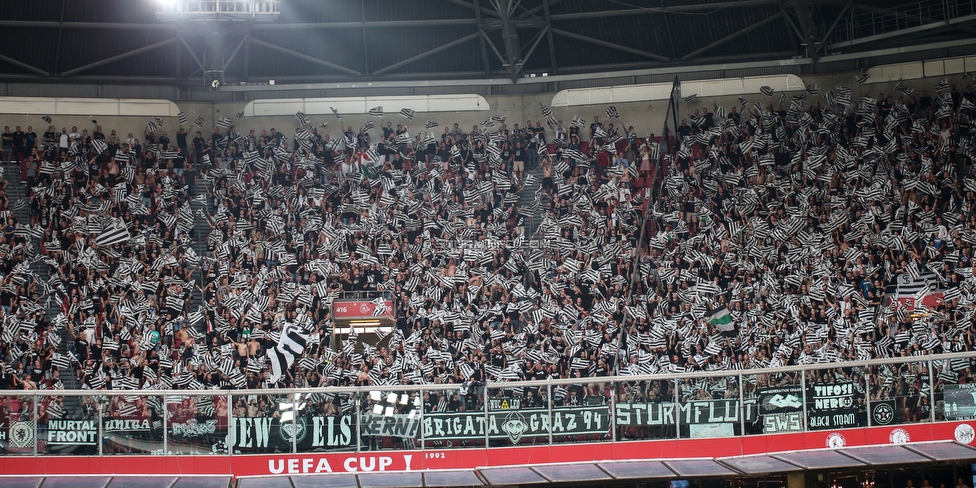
72 432
835 420
527 423
351 464
3 432
116 424
192 428
782 422
833 396
326 432
696 412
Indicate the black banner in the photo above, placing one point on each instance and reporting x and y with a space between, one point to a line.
787 399
781 409
835 396
512 424
883 412
262 433
687 413
831 406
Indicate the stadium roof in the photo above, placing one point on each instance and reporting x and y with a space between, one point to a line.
80 41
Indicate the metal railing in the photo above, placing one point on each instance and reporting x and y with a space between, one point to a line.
912 389
867 22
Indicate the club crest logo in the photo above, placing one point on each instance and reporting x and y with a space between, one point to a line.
883 414
899 436
836 440
964 433
22 434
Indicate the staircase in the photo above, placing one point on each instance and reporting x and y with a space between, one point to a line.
199 243
18 193
527 198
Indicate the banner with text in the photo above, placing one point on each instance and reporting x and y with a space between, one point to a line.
309 433
781 409
831 406
687 413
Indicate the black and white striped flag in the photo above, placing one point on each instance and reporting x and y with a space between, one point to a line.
240 115
408 113
198 121
114 233
223 122
431 124
766 90
862 78
943 85
99 145
912 271
690 97
376 111
151 125
290 344
302 118
182 117
612 112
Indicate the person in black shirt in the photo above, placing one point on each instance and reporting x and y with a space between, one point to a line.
8 144
198 143
164 141
181 141
30 141
683 130
18 144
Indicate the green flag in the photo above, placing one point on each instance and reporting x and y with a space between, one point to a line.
722 319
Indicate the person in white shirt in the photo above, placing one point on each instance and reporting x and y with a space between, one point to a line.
63 142
561 133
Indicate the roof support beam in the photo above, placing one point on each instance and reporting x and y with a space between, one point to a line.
87 25
552 44
234 54
475 5
427 53
532 11
840 16
24 65
362 9
618 47
384 24
663 10
494 48
119 57
732 36
188 48
481 38
535 42
802 9
303 56
513 58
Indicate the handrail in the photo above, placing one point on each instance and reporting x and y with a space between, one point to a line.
512 384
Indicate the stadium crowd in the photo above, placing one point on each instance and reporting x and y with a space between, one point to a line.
773 230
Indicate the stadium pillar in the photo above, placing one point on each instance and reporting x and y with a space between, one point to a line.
796 480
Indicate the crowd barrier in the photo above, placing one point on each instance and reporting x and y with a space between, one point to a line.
882 392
